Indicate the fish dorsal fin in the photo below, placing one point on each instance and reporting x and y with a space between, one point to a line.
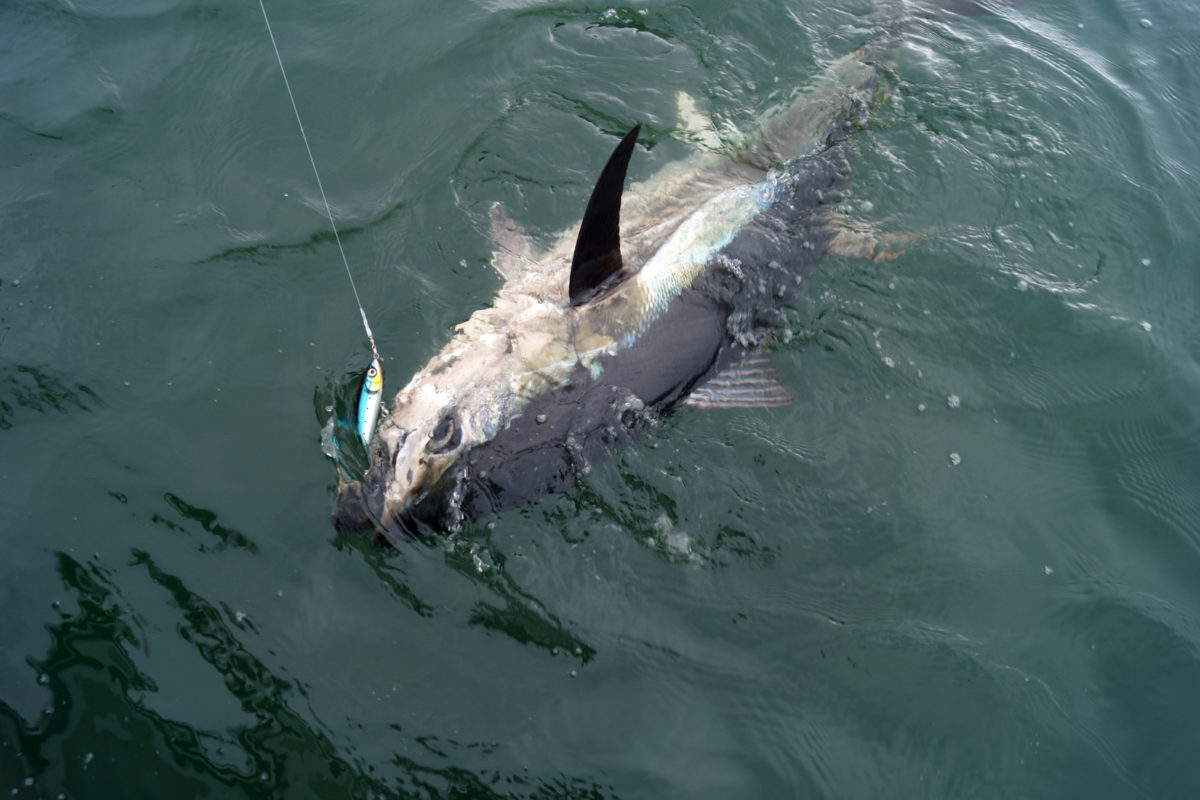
752 381
598 247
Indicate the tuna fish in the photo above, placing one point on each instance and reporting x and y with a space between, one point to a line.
668 293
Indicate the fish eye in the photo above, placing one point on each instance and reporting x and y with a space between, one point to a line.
446 436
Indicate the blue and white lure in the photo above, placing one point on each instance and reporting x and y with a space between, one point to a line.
370 398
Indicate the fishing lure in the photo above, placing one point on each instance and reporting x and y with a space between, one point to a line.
370 398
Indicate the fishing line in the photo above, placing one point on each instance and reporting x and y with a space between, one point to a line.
317 175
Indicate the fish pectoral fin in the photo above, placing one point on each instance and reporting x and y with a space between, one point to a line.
515 249
751 381
696 127
598 247
860 240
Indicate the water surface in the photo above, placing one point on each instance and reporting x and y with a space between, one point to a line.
965 562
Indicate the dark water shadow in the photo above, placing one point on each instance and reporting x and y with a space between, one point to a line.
516 613
519 615
389 571
99 740
226 537
513 612
654 518
29 387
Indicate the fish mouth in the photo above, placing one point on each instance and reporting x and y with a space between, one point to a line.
358 510
372 505
384 505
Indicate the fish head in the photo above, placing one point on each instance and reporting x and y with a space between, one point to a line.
462 397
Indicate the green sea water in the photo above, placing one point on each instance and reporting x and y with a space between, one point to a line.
965 562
